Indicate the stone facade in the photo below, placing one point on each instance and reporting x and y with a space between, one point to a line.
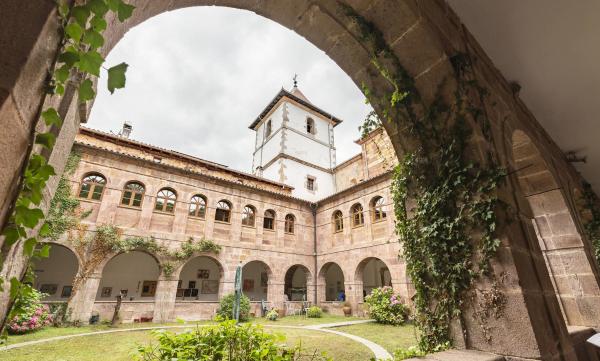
423 34
366 251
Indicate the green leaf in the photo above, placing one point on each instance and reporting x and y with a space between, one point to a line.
113 5
45 251
45 139
44 230
62 74
86 91
74 31
63 8
46 171
69 57
93 38
15 286
11 235
59 89
90 62
98 7
29 217
29 246
116 77
51 117
98 23
81 14
125 11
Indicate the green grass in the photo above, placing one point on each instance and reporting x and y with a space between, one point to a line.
121 346
389 337
304 321
63 331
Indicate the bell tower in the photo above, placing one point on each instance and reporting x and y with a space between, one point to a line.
295 145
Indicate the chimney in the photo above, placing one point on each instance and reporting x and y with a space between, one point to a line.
126 130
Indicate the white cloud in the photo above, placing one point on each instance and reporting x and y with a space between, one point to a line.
199 76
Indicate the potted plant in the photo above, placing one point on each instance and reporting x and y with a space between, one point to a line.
347 309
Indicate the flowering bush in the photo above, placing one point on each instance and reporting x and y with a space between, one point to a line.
385 306
32 314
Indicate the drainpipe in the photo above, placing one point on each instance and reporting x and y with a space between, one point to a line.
313 208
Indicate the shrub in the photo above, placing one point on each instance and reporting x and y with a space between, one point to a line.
405 353
385 306
32 314
225 341
225 310
314 312
272 315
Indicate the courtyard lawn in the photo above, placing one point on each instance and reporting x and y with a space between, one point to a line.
388 337
122 346
305 321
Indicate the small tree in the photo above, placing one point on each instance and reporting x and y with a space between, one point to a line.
226 307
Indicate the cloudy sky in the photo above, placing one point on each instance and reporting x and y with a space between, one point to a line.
194 84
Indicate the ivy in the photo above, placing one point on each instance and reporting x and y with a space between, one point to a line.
591 207
77 63
445 203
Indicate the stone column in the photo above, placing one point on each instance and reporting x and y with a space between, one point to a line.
82 302
275 294
164 299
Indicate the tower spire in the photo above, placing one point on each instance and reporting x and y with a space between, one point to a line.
295 80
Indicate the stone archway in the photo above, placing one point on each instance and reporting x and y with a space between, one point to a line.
371 273
422 33
331 283
568 262
201 279
55 274
297 281
256 279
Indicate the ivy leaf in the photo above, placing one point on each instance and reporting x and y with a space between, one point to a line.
124 11
44 251
11 235
62 74
51 117
59 89
81 14
116 77
15 286
46 171
69 57
86 91
90 62
74 31
45 139
29 246
93 38
44 230
29 217
98 23
113 5
98 7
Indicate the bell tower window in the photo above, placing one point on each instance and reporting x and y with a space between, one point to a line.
268 128
310 126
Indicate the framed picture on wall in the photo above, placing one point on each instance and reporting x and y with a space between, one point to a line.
124 293
66 291
192 284
203 274
179 283
264 279
210 287
248 285
148 288
49 288
106 292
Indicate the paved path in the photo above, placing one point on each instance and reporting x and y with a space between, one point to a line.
379 352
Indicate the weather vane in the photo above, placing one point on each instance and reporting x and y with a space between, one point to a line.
295 80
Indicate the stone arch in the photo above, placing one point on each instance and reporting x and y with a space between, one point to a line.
297 282
136 271
208 276
331 282
55 274
371 272
254 284
568 262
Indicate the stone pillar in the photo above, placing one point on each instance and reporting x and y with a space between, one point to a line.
82 302
275 294
164 299
354 294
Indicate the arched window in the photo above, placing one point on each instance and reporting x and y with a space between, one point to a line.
310 126
92 186
223 212
338 221
197 206
357 215
268 128
289 223
165 200
248 216
269 219
377 209
133 194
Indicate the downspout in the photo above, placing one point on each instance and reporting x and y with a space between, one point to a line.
313 208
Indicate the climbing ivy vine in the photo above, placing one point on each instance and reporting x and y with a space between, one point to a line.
444 202
77 64
591 205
